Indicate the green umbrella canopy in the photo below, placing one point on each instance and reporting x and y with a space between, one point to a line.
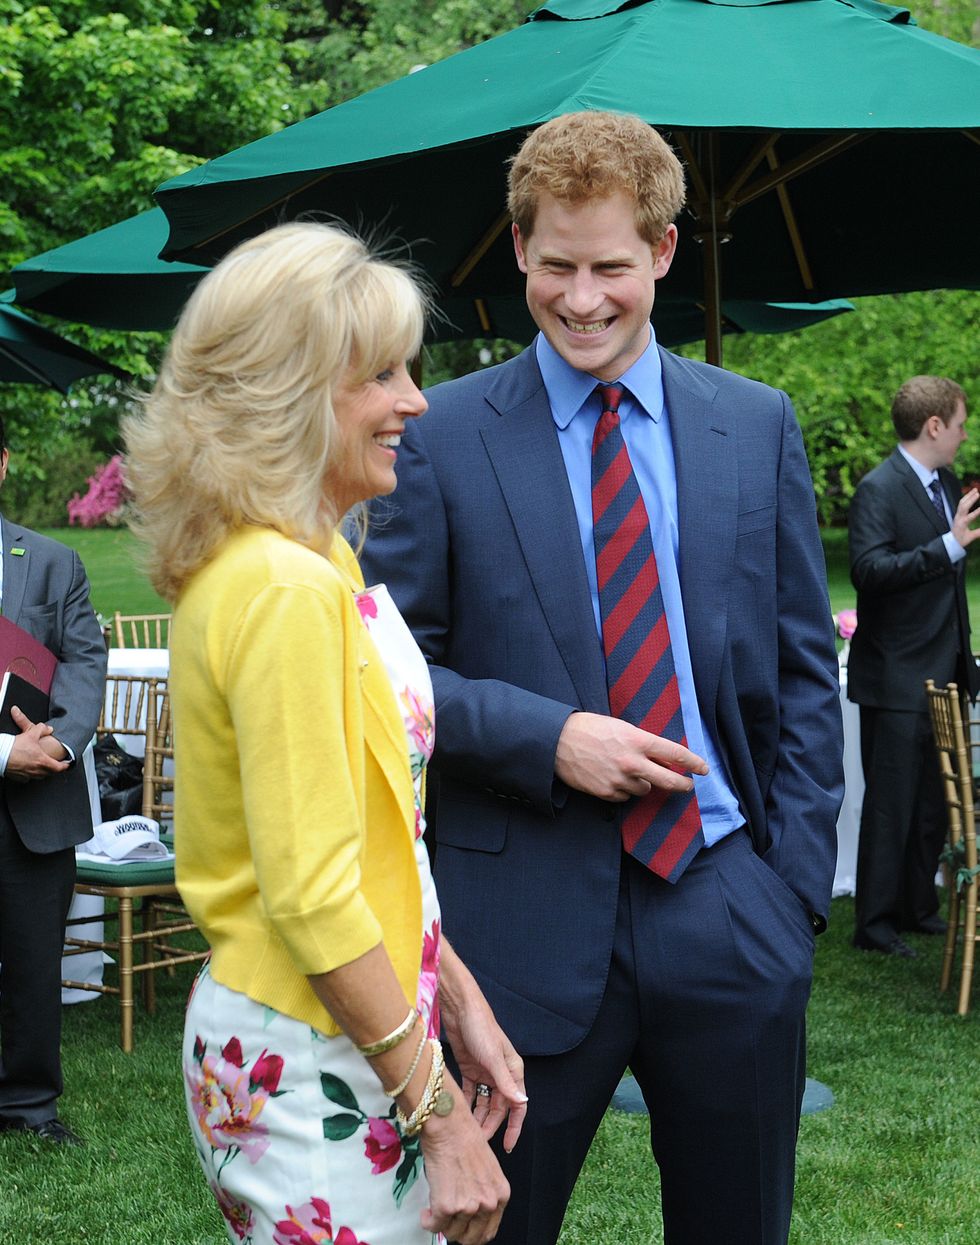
112 278
834 143
31 354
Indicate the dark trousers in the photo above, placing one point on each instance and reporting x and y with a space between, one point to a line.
903 825
35 894
705 1002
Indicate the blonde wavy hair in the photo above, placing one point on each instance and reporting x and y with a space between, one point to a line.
240 427
591 155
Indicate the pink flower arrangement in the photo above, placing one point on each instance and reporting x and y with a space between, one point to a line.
847 621
382 1146
106 499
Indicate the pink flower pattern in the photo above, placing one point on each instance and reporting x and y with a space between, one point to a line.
427 999
419 719
310 1224
228 1100
382 1145
238 1214
367 605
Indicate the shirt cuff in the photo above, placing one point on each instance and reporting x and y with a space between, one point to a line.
6 746
954 549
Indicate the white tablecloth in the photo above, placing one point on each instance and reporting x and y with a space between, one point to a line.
88 966
849 821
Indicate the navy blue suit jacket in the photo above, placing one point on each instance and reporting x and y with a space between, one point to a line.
480 548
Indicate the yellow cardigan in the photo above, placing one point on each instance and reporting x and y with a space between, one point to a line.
293 805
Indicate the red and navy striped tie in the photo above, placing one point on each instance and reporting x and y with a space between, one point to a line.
661 829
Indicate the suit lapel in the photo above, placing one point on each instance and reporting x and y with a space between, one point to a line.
523 448
16 566
706 467
913 486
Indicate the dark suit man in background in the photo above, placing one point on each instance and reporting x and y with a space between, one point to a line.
909 532
610 556
44 813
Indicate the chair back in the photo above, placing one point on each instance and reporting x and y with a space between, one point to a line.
124 707
954 736
158 759
141 630
949 733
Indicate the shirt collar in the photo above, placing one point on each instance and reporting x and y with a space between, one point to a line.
924 474
568 389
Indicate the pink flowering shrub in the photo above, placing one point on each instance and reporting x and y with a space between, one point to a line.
105 501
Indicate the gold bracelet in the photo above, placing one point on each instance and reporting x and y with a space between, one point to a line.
432 1096
403 1084
393 1038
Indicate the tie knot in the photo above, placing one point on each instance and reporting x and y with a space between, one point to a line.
611 396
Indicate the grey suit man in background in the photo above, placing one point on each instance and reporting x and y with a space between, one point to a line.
909 529
44 813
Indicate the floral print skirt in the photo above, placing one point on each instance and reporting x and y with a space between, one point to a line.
297 1142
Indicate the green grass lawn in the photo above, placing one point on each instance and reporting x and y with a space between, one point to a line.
895 1160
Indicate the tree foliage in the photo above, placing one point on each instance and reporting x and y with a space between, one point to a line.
99 102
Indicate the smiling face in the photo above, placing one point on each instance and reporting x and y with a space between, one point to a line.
590 280
370 420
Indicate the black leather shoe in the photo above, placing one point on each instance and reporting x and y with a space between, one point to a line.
54 1130
929 925
48 1130
897 946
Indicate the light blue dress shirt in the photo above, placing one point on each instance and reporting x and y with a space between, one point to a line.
646 430
953 547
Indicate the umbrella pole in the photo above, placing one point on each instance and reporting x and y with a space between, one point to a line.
702 161
712 297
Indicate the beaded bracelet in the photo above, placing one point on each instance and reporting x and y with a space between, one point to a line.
434 1101
403 1084
393 1038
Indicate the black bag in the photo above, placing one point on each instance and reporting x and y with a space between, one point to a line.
120 779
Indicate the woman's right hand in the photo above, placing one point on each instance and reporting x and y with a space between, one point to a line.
468 1190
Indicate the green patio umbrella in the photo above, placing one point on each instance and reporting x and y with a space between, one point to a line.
33 355
114 279
832 143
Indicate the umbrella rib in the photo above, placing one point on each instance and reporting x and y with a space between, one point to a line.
693 168
972 135
41 377
481 248
802 164
792 226
759 153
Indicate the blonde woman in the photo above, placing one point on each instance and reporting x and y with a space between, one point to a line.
316 1088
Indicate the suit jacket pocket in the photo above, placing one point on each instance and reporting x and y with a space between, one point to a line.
475 825
40 620
755 520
